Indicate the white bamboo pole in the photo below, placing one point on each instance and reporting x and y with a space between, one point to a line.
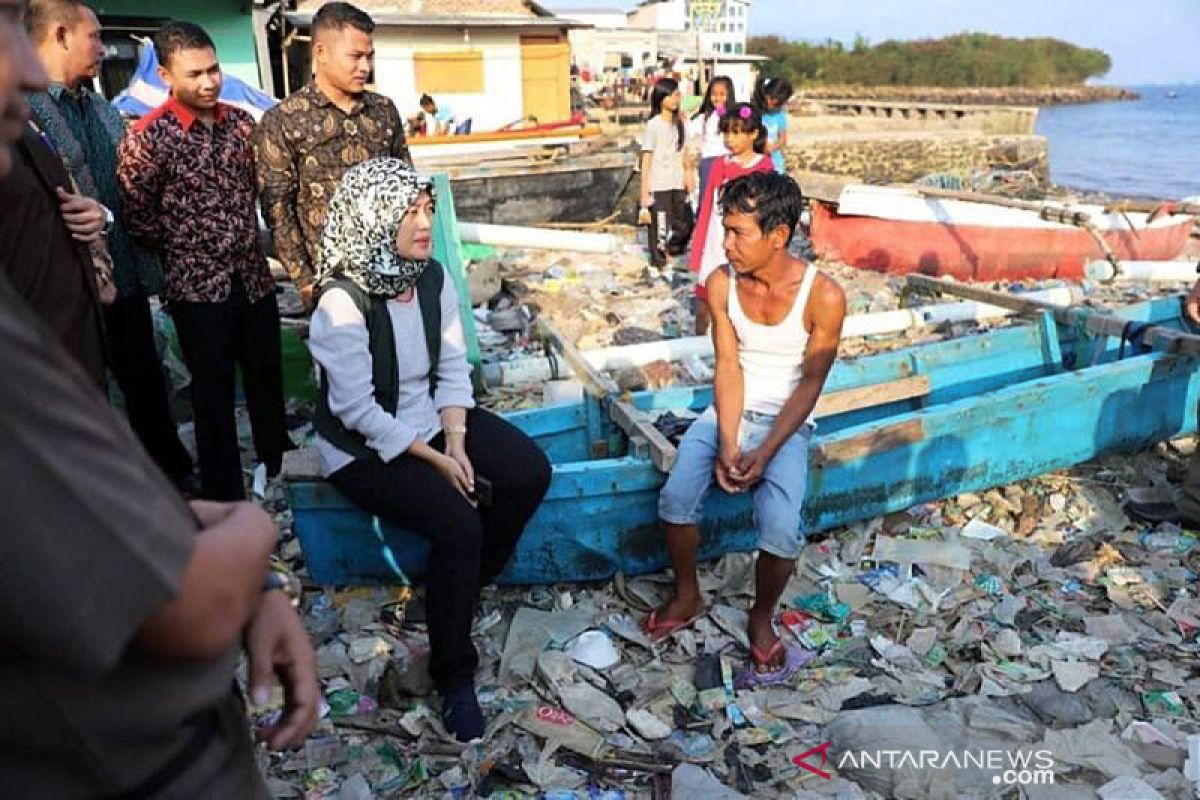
1152 271
537 238
856 325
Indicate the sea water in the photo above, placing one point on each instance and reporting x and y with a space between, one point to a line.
1143 148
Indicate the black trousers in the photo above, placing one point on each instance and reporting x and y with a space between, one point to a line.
215 338
470 546
136 365
671 223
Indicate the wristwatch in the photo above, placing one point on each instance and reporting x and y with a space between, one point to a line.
110 220
279 579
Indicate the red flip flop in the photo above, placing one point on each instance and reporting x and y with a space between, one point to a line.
794 658
660 629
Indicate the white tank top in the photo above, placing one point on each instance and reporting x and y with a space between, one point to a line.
772 356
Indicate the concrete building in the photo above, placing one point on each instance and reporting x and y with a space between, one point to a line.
492 61
609 46
675 33
721 26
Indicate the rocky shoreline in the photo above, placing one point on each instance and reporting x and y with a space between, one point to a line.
998 96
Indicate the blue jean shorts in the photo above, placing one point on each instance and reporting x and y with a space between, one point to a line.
778 497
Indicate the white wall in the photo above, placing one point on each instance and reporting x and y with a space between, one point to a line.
591 46
668 16
501 101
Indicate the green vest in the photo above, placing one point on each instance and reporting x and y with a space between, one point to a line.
385 369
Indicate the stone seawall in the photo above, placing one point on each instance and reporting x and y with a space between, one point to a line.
904 157
1000 96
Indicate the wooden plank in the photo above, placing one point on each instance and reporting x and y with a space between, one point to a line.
871 443
635 424
868 396
596 383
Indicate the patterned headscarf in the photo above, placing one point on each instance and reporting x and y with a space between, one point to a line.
359 240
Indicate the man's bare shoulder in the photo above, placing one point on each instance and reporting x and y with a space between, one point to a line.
826 289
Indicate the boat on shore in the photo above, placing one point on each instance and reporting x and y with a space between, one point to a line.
894 430
903 230
531 177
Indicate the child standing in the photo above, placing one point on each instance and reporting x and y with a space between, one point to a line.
745 138
771 96
704 130
663 186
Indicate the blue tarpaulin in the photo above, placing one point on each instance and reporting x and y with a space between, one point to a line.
146 91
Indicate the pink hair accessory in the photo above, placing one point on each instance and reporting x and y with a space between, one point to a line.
745 112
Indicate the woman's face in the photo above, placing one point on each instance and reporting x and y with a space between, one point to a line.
773 103
671 102
720 95
414 234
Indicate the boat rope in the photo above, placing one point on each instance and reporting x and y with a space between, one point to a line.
1133 333
405 593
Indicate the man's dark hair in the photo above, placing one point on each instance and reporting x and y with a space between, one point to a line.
772 198
426 100
336 16
42 15
177 35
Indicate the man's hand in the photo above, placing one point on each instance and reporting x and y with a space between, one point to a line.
278 646
750 467
306 296
723 469
1191 305
689 182
83 215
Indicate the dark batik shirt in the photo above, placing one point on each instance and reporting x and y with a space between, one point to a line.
304 145
189 192
85 131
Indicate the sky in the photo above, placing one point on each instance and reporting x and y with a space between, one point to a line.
1149 41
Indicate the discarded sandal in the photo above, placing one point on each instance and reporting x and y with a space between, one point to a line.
794 658
659 629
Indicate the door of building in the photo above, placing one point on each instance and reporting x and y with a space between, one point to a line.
546 77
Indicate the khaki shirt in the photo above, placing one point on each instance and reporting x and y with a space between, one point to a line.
94 541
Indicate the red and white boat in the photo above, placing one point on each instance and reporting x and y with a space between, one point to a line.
899 230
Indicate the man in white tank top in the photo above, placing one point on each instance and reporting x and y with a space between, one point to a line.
777 323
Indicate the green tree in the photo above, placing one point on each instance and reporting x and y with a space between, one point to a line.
962 60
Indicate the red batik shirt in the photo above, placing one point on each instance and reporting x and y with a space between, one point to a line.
189 192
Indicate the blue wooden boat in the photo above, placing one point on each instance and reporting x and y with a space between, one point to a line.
894 430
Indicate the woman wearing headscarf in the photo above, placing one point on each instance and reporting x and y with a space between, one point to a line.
397 427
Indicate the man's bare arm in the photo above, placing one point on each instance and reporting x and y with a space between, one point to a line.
221 586
728 381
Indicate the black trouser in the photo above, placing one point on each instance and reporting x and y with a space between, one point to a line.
214 337
670 225
136 365
470 546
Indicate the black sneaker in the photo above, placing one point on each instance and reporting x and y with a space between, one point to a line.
461 714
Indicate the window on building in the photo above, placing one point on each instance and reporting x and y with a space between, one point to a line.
739 48
728 47
455 72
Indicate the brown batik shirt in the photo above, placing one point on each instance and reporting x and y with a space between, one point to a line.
304 145
188 192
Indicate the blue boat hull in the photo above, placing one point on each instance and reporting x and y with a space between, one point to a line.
1001 407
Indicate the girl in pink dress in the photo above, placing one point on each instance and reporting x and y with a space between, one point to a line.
746 139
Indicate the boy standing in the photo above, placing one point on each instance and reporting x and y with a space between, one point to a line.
777 323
